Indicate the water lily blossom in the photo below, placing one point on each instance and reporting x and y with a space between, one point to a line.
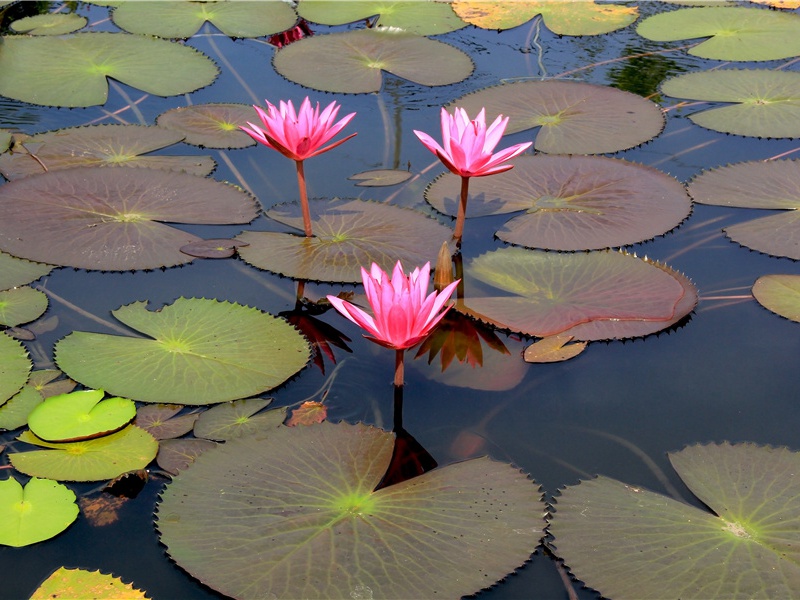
403 311
467 150
299 134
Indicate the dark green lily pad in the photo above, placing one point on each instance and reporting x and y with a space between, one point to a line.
80 415
100 146
72 70
210 125
18 271
347 234
302 500
162 420
129 449
198 351
381 177
562 17
574 117
183 19
234 419
21 305
571 202
629 542
14 367
353 61
736 33
762 185
551 293
113 219
415 16
49 24
780 294
767 103
176 455
40 511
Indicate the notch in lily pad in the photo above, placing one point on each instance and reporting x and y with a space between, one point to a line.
80 415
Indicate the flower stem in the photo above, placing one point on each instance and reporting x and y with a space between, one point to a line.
398 368
301 184
462 211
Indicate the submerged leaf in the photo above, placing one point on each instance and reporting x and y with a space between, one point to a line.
554 348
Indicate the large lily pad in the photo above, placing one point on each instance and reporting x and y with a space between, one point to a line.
184 19
80 415
564 17
571 202
21 305
210 125
354 61
14 367
99 146
18 271
550 293
574 117
767 102
348 233
628 542
762 185
780 294
301 500
72 70
736 33
424 17
113 219
198 351
41 510
129 449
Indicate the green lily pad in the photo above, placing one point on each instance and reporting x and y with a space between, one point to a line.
767 103
37 512
571 202
6 138
628 542
353 61
736 33
14 413
564 17
348 233
419 17
80 416
780 294
551 293
234 419
113 219
773 185
72 70
184 19
129 449
66 584
18 271
176 455
100 146
573 117
302 499
197 351
49 24
381 177
162 420
14 367
210 125
21 305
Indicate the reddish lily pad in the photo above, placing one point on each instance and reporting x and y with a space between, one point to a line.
99 146
347 234
780 294
176 455
571 202
762 185
213 248
113 219
210 125
161 420
574 117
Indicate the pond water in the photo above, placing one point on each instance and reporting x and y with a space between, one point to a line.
728 373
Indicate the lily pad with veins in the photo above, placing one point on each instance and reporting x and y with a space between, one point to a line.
573 117
14 367
210 125
21 305
113 219
18 271
780 294
39 511
80 415
420 17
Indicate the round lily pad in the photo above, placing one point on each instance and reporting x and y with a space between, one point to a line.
65 584
421 18
766 102
353 61
18 271
162 420
79 416
37 512
100 146
210 125
49 24
72 70
233 419
573 117
21 305
348 233
113 219
780 294
302 500
197 351
14 367
571 202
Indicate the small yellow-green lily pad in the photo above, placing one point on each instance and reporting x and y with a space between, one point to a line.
66 584
37 512
79 416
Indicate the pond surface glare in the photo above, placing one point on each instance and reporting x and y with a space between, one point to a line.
728 374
